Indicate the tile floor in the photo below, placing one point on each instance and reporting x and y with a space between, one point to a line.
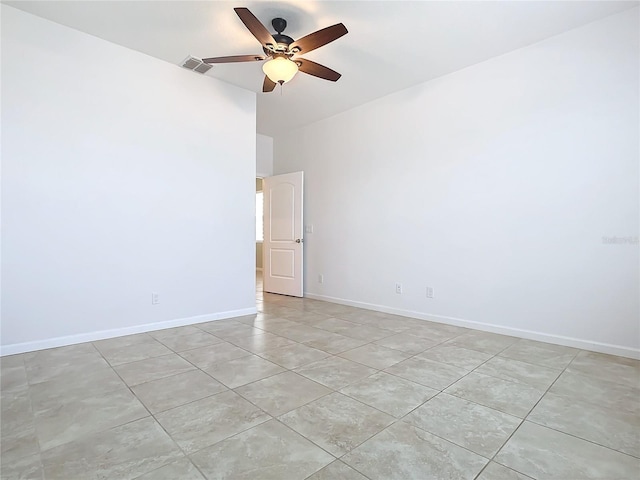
313 390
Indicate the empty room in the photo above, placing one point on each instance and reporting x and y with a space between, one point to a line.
320 240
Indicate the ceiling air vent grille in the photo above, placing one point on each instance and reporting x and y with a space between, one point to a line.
195 64
202 68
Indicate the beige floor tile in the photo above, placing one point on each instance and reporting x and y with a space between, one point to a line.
153 369
241 331
174 332
12 378
456 356
336 422
517 371
334 343
607 367
330 309
253 320
180 343
77 418
75 359
495 471
243 370
301 333
403 451
598 391
169 392
375 356
72 387
436 332
181 469
337 471
484 341
270 451
405 342
595 359
229 328
205 422
544 453
469 425
335 372
293 356
282 393
16 411
367 332
390 394
427 372
131 348
335 325
61 355
306 318
19 443
393 323
585 427
17 431
273 324
361 316
123 452
228 325
11 361
206 357
510 397
271 307
25 468
539 353
261 343
615 429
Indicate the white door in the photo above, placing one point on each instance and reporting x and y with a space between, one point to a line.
282 245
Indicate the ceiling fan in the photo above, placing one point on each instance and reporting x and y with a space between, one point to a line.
282 51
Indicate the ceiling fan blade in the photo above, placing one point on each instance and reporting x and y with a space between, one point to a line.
234 58
268 85
317 70
318 39
255 27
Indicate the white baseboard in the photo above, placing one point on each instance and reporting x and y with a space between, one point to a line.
488 327
119 332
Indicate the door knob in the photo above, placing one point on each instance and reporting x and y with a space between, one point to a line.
299 240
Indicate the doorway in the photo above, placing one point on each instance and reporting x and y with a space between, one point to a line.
279 240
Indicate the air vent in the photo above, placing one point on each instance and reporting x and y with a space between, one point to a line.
202 68
195 64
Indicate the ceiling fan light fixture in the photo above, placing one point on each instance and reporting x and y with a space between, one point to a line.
280 69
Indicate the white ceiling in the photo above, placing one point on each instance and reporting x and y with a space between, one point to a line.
391 45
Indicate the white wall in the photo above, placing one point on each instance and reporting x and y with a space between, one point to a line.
264 156
122 175
495 185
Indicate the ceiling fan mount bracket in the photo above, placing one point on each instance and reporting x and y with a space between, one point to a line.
279 24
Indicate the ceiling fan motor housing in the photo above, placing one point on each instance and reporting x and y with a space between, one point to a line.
282 41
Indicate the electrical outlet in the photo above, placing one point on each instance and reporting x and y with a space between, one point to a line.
320 278
155 298
398 288
429 292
